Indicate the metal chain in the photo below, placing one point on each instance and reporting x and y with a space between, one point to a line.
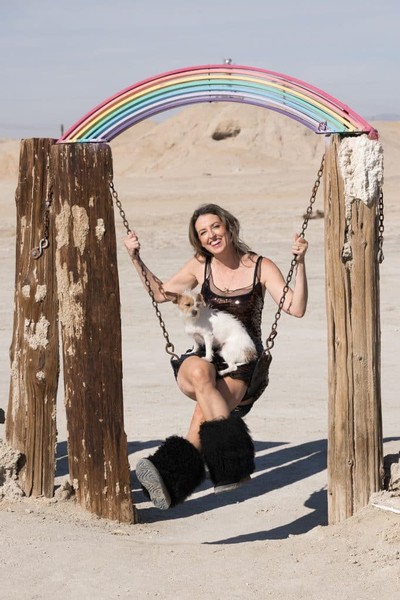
381 228
274 329
114 194
44 241
169 347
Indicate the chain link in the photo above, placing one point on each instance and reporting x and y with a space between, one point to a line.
274 328
381 227
44 241
169 347
114 194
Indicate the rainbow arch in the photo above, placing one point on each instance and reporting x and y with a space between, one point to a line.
292 97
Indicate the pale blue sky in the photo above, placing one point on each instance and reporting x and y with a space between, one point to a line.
58 59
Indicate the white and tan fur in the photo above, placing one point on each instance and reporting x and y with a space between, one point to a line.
215 329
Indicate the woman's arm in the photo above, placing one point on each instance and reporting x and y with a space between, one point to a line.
296 299
185 278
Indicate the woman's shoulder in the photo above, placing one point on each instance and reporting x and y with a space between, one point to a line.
267 264
269 271
250 259
197 261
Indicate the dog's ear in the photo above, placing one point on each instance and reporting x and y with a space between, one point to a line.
172 296
200 299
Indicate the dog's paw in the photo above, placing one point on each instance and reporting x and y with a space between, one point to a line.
229 369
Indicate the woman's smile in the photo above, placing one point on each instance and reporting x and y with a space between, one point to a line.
215 242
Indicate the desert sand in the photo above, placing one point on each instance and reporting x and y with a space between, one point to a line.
270 539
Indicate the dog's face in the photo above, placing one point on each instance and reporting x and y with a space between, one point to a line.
190 304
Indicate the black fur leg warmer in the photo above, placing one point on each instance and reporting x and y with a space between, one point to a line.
181 467
228 449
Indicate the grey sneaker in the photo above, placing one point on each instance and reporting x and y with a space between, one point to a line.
152 481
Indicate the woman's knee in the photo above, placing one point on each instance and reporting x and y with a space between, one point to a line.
194 374
202 374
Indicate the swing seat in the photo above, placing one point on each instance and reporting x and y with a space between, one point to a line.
258 384
259 380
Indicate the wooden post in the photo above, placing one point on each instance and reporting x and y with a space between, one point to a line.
34 356
88 288
355 453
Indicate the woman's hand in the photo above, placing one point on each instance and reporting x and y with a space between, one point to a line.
132 244
299 248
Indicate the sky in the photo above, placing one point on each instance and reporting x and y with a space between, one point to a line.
60 58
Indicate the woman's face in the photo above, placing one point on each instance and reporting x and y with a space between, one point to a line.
212 233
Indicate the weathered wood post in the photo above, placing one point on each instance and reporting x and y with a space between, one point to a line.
88 291
353 179
34 356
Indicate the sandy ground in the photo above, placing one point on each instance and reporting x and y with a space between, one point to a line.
269 539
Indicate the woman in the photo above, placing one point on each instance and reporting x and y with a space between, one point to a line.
232 278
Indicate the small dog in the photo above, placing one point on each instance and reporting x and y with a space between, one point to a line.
215 329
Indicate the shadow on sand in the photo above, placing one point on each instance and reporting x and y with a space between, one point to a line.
279 468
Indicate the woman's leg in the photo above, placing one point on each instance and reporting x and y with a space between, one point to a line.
225 477
216 398
232 390
222 437
176 469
